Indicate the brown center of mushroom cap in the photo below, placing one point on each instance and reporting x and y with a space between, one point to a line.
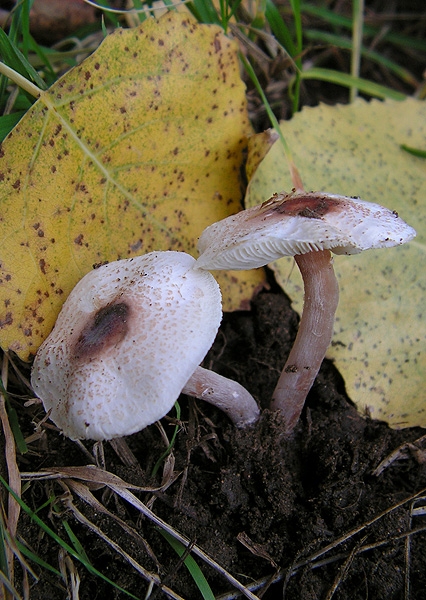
106 328
304 205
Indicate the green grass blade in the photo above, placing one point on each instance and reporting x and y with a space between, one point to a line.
337 20
16 429
269 111
12 416
227 12
36 559
16 26
15 33
172 443
109 14
357 31
295 4
414 151
30 90
3 554
8 122
204 11
138 5
170 5
258 21
75 541
42 54
295 176
329 16
297 15
25 26
71 551
403 41
14 58
193 568
339 41
49 501
279 28
344 79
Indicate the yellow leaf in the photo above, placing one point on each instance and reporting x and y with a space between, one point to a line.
137 149
380 332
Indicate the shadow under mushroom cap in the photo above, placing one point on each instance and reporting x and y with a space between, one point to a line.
128 338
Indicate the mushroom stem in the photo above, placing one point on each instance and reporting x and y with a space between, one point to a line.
227 395
313 337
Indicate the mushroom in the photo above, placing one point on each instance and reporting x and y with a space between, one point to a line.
306 225
127 342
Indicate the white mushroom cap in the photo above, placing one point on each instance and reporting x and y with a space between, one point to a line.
297 223
127 340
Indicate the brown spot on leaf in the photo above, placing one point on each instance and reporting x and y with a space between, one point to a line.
136 245
8 320
42 265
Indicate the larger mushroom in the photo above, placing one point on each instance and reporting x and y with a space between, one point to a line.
127 342
307 226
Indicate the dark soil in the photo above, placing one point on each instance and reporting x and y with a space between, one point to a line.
261 505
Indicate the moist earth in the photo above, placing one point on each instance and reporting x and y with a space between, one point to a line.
307 516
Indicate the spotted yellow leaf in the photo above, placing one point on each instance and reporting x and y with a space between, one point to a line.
137 149
380 332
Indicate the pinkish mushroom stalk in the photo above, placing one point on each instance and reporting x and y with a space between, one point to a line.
227 395
313 337
306 225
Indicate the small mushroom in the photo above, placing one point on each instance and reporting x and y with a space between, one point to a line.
128 340
306 226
